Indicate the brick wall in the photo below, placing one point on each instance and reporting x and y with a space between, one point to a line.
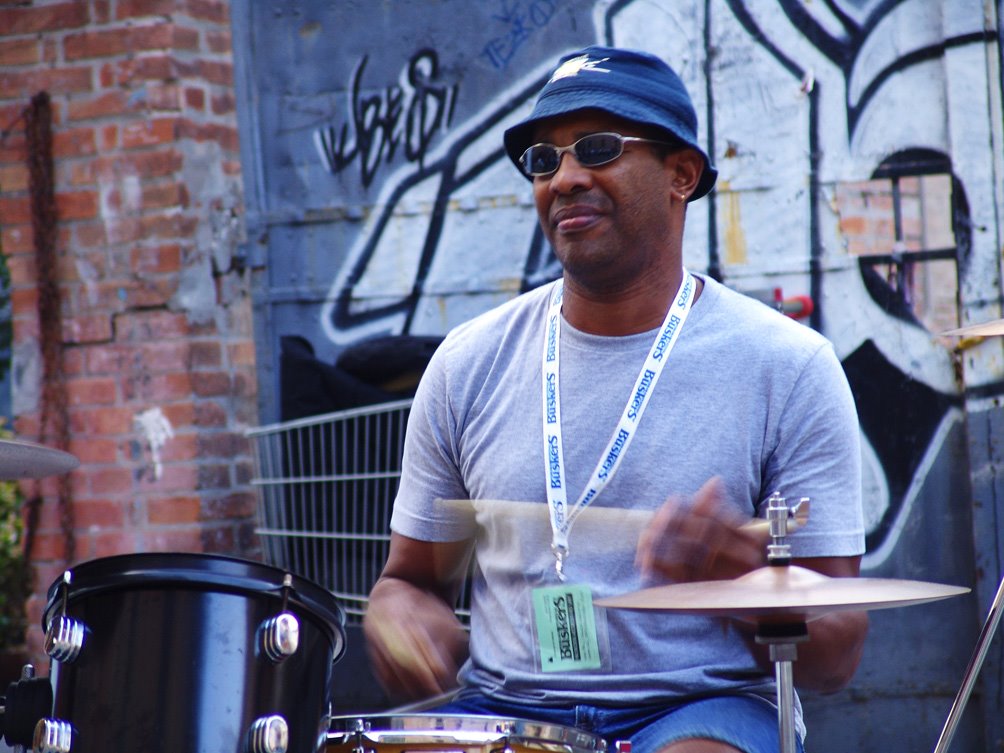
156 347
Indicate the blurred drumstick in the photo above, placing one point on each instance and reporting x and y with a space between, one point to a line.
607 516
424 704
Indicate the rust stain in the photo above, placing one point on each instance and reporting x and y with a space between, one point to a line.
736 251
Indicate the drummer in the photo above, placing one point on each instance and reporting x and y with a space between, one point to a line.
678 403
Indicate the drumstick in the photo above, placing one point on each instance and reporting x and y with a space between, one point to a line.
424 704
610 515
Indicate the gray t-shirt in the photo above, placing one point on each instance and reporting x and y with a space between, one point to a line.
747 395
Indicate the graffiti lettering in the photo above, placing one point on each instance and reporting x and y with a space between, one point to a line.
407 113
522 20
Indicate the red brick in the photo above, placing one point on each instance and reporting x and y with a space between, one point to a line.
109 421
77 205
55 17
13 178
48 546
175 510
212 384
172 540
163 96
224 104
75 142
180 415
176 479
99 514
157 388
109 481
232 506
195 98
96 328
24 84
140 8
15 210
90 235
215 72
209 414
209 10
15 239
107 544
93 450
164 259
219 42
165 357
104 105
151 293
241 353
92 391
149 133
143 326
165 195
19 52
179 448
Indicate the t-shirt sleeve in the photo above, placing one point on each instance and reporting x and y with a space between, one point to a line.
426 506
816 454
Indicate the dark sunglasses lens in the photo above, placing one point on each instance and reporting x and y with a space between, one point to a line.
540 159
598 149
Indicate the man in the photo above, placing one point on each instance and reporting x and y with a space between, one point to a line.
613 431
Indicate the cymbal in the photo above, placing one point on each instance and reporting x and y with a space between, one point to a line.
984 329
782 593
20 459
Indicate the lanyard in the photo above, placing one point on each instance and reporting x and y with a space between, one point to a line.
562 516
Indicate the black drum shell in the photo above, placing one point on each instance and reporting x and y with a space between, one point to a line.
172 660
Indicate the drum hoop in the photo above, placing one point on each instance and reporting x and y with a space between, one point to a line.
434 727
200 572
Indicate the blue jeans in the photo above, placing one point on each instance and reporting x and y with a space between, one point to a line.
747 723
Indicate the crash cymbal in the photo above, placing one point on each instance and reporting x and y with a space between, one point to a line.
781 594
20 459
984 329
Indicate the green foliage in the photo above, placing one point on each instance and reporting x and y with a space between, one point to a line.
15 574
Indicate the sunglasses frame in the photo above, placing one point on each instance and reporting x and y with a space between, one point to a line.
561 150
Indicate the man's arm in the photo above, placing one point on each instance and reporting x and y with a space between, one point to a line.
415 642
827 661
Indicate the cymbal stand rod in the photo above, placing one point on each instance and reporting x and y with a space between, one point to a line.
972 671
785 694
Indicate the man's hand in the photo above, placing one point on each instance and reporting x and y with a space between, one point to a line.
703 539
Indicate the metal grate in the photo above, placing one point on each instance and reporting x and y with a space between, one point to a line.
325 487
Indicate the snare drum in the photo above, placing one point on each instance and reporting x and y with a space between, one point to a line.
167 652
455 734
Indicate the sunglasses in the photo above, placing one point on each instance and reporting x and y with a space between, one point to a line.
590 151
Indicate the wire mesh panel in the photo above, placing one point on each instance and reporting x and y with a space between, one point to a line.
325 488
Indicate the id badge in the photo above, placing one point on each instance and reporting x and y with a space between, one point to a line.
566 628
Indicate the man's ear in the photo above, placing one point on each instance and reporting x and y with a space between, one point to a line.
689 165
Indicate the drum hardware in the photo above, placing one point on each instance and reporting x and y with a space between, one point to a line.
268 734
780 599
64 637
176 643
19 459
27 700
52 736
972 670
280 635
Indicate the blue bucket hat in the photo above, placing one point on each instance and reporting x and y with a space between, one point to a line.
629 84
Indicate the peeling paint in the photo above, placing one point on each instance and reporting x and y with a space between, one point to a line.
735 239
156 430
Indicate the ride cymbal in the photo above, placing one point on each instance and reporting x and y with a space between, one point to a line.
782 593
20 459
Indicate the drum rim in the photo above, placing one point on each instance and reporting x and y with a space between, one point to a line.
544 732
225 572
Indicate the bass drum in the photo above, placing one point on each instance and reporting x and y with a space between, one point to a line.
167 652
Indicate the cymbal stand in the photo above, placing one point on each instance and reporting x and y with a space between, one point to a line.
972 671
782 638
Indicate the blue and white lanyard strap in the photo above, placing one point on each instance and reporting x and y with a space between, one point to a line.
562 516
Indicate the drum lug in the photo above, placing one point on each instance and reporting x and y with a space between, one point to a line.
64 638
52 736
268 734
280 636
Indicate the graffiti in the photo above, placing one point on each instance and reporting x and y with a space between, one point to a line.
522 21
407 114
